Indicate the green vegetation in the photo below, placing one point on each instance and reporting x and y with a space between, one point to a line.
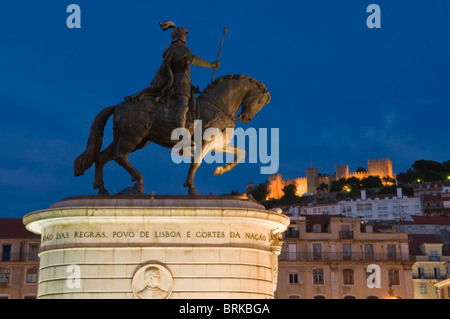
260 192
425 171
355 184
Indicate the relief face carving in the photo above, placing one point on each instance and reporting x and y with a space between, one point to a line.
152 281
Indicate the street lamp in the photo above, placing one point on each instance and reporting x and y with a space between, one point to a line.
391 293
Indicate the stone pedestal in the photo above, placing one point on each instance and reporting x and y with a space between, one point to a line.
163 247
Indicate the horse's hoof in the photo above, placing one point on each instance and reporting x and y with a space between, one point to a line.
192 191
219 171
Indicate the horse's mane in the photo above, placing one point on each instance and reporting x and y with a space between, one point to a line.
220 80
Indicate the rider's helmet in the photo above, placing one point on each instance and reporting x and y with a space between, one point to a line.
177 32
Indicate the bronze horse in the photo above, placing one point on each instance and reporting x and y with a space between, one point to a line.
135 124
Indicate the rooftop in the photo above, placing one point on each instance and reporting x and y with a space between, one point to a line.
416 240
12 228
428 220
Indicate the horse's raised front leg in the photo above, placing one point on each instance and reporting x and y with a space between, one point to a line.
104 157
239 156
124 148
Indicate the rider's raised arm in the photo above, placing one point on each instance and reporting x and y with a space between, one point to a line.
195 60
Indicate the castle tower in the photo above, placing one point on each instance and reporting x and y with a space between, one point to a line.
381 167
275 187
341 171
312 175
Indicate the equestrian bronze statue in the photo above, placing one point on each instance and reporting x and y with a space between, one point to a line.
154 113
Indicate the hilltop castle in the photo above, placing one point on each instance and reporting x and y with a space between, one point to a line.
309 184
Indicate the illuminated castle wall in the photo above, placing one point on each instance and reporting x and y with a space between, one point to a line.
309 184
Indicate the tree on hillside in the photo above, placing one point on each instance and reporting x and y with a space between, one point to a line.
290 191
361 170
260 192
388 180
371 182
337 186
425 171
353 183
426 165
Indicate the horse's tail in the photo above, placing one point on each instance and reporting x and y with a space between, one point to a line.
94 143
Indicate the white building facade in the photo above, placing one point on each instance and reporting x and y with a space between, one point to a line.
376 207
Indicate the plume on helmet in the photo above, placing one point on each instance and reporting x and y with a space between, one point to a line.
166 25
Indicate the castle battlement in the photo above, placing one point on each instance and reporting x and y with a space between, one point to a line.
381 167
358 174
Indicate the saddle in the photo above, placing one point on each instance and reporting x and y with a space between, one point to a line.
164 109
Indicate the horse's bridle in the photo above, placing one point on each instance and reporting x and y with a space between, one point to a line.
220 108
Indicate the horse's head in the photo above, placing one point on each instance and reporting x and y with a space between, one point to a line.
253 103
233 90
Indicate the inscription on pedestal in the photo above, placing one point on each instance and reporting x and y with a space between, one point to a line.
57 237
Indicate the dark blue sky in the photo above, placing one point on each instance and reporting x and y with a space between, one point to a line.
341 92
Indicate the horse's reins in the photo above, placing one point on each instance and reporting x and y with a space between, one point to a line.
220 108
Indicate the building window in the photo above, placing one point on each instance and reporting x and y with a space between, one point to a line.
318 276
291 232
394 277
346 251
421 272
434 256
293 278
349 297
368 252
437 273
292 251
33 251
317 228
363 209
294 297
346 232
6 252
317 251
392 252
4 276
319 297
348 275
32 275
423 289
